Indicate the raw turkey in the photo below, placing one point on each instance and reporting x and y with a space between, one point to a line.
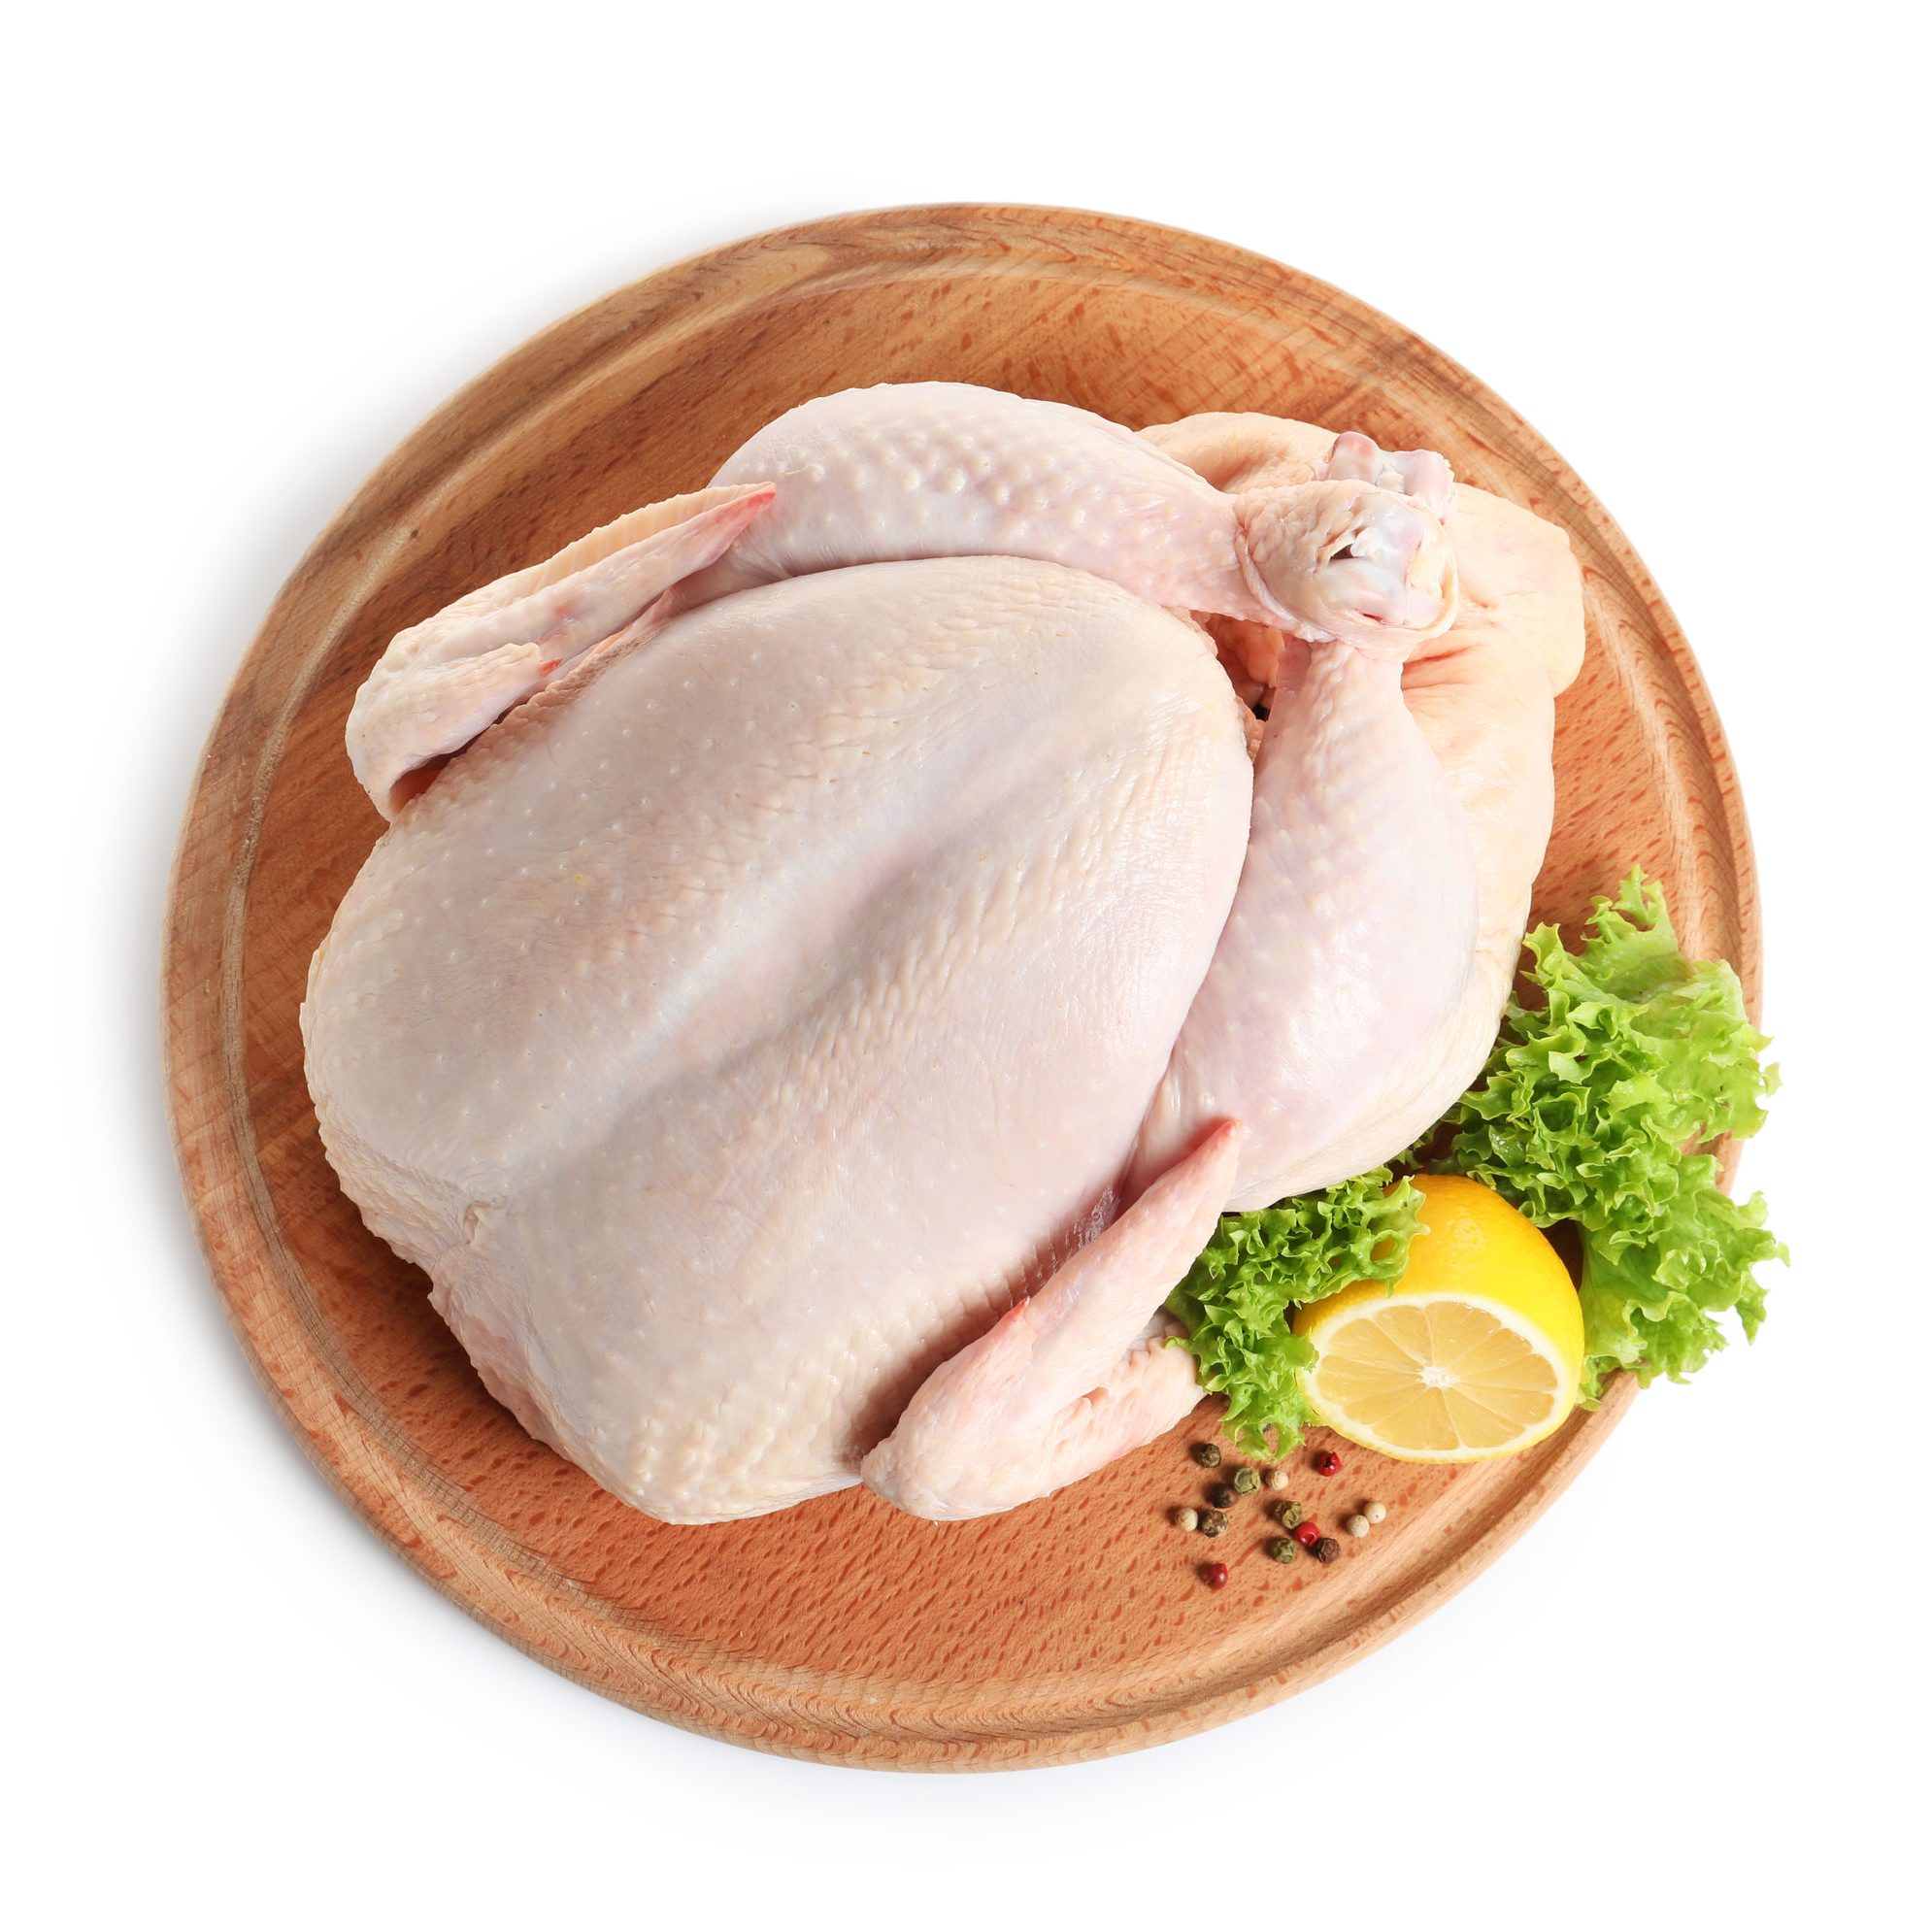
845 934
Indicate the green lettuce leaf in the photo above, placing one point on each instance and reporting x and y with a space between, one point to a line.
1616 1068
1598 1106
1240 1295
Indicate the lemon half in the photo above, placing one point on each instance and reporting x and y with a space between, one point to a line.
1476 1350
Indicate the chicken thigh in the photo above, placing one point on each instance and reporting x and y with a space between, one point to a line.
808 1036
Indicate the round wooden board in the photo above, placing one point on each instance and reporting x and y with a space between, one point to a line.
842 1630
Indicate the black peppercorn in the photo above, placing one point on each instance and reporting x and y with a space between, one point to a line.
1213 1521
1207 1454
1220 1495
1325 1549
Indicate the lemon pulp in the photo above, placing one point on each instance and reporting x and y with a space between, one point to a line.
1475 1351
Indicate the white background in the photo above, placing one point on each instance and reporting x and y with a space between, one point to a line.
252 248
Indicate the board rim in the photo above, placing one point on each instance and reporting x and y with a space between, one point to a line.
414 1511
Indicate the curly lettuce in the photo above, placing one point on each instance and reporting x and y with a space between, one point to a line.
1240 1295
1599 1105
1616 1068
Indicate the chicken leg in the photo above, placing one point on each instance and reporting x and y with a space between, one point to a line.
1481 693
1334 1014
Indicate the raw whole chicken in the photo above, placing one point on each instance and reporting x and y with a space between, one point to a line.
845 934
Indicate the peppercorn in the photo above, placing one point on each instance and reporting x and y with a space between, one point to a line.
1328 1462
1373 1511
1277 1478
1222 1495
1357 1525
1214 1575
1307 1533
1325 1549
1287 1514
1187 1518
1283 1550
1247 1481
1213 1521
1207 1454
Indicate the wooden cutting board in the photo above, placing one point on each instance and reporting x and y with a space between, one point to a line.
842 1630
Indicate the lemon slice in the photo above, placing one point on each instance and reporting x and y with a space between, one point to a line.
1474 1353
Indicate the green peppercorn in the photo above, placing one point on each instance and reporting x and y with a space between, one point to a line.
1187 1518
1283 1549
1222 1495
1247 1482
1288 1514
1325 1549
1213 1521
1207 1454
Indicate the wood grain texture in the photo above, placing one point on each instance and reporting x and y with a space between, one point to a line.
842 1630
